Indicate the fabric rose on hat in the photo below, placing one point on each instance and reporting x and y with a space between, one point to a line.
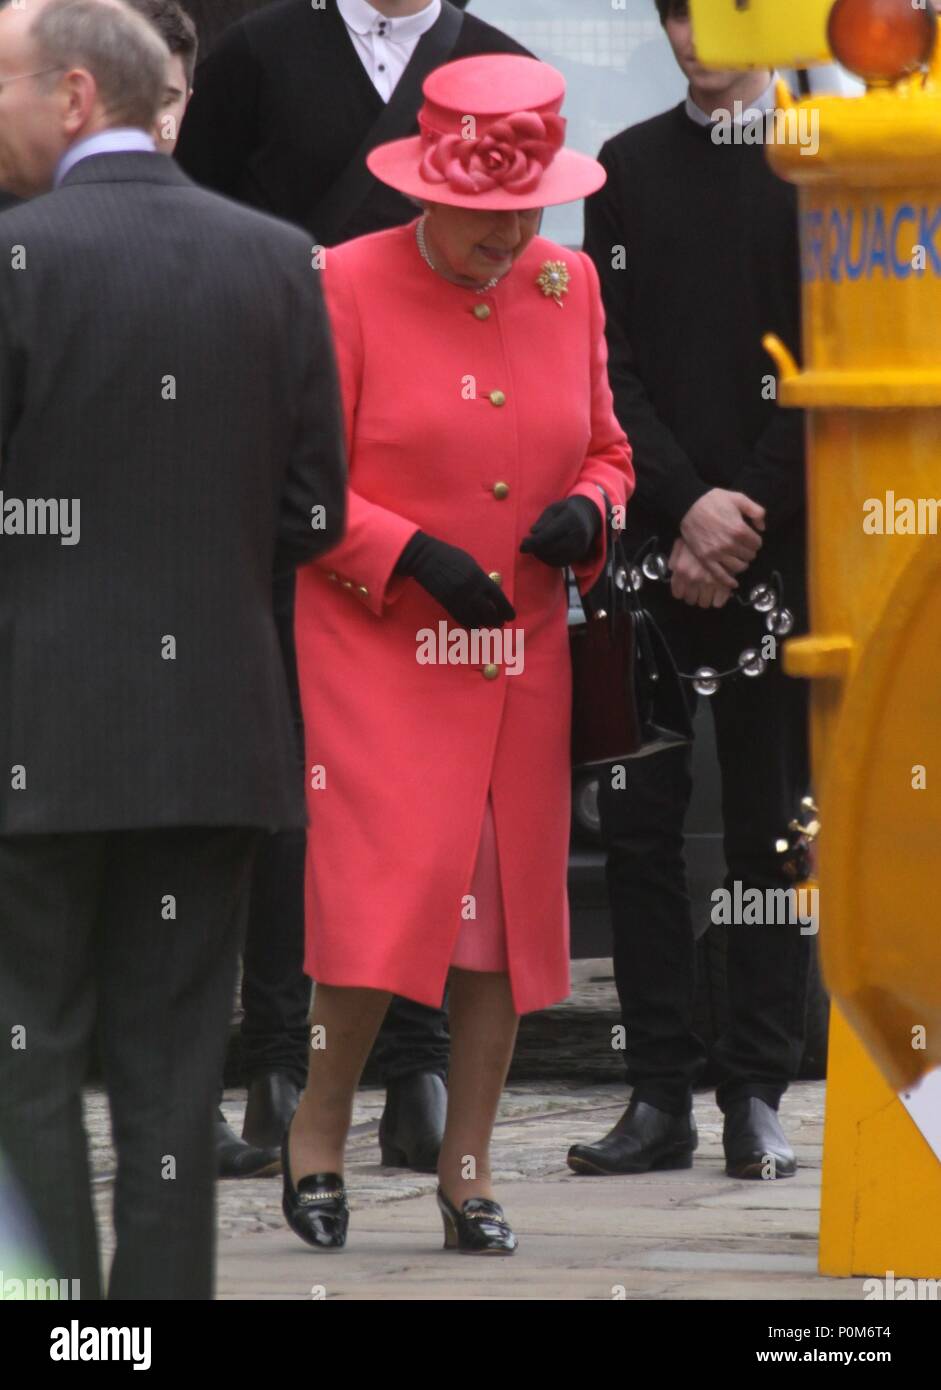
512 155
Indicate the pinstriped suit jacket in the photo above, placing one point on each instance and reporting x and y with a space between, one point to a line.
165 359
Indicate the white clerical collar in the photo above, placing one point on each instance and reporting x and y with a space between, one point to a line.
363 18
752 112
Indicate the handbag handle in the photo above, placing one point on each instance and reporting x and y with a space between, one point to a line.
616 602
621 601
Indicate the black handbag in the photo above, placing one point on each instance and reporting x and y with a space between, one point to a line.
627 696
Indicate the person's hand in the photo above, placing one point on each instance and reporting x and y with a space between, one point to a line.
565 533
720 530
454 578
691 581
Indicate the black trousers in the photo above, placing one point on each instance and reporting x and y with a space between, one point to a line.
135 933
762 743
275 990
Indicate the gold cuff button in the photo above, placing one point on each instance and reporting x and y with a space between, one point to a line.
490 672
495 577
497 398
501 490
481 311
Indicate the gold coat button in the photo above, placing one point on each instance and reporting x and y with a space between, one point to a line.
490 672
501 490
363 591
497 398
481 311
332 576
347 583
495 577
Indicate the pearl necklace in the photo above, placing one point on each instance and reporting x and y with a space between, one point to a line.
420 238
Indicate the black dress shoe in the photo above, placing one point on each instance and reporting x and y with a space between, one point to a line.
412 1124
272 1100
236 1159
479 1228
754 1142
643 1138
317 1209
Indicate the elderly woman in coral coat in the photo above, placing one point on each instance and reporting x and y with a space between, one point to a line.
432 642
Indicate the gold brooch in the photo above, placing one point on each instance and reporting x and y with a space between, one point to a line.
553 280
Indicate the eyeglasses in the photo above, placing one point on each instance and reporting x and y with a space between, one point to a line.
18 77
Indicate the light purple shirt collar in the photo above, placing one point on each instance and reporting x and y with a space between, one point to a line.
119 140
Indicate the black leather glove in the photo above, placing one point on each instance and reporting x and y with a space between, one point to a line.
456 580
565 533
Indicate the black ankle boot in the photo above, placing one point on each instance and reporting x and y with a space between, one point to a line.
236 1159
643 1138
754 1142
412 1124
272 1100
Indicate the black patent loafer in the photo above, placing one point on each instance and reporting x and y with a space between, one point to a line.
754 1142
317 1209
479 1228
643 1139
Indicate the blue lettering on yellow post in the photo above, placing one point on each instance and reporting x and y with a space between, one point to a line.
862 243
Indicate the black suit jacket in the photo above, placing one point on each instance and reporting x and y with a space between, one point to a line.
282 103
165 359
212 17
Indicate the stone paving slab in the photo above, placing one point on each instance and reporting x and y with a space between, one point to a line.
579 1239
691 1234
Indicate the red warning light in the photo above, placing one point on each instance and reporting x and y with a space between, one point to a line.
882 41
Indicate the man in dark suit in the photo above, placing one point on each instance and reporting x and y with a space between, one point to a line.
173 442
281 108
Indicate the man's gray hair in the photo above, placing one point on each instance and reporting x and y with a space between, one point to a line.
122 51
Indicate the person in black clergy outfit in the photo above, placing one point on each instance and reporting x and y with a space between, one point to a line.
711 265
213 17
283 110
175 441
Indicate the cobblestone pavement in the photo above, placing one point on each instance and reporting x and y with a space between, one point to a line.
691 1234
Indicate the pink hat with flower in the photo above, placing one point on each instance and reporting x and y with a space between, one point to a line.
491 138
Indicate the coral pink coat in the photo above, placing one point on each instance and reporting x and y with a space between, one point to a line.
408 751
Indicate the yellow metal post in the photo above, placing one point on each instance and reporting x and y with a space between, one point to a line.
870 207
